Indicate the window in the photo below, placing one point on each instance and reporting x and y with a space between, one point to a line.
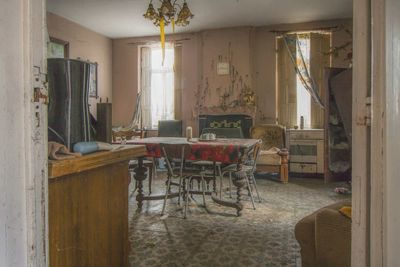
303 96
57 48
157 85
301 60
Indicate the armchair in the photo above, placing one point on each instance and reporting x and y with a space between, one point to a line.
273 156
325 237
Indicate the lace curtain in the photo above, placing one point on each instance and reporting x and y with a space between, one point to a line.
302 67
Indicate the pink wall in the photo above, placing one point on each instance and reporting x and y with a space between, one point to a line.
252 53
126 75
87 45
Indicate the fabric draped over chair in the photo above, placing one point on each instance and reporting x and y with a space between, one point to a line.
273 156
273 140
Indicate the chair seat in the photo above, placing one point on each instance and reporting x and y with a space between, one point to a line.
135 162
205 163
269 157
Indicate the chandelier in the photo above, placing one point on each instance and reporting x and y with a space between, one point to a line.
167 14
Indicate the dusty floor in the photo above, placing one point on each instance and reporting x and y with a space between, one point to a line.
216 237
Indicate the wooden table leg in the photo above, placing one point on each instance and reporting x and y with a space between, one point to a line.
239 180
140 176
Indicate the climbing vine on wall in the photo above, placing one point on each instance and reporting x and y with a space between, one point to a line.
236 94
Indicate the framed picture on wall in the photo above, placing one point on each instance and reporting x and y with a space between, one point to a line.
57 48
93 80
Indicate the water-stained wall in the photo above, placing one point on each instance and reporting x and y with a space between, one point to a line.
250 54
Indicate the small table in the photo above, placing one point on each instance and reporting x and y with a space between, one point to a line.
227 151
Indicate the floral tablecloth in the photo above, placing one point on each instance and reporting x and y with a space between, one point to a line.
221 150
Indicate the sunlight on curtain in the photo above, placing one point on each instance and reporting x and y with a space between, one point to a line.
303 96
162 86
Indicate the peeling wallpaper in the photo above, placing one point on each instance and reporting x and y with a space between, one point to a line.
250 50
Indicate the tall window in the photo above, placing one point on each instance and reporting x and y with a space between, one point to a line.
157 85
301 59
303 96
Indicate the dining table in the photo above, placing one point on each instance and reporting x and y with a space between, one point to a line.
222 150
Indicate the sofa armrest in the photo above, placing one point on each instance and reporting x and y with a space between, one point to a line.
332 239
305 236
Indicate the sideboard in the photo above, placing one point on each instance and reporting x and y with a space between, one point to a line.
306 151
88 209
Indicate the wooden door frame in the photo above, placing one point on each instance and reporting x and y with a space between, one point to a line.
368 221
360 132
378 81
385 150
376 120
35 130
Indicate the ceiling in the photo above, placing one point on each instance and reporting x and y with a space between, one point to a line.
123 18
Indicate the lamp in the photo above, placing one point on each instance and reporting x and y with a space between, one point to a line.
166 14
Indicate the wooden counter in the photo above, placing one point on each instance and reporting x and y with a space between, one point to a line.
88 209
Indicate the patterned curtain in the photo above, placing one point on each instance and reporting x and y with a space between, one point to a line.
301 67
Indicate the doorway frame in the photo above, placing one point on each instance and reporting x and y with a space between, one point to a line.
368 240
34 32
361 128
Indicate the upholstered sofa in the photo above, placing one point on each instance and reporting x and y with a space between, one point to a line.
273 156
325 238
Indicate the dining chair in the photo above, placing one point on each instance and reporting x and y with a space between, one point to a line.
212 166
249 167
170 128
150 164
184 176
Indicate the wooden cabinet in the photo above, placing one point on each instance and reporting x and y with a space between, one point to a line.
306 151
88 209
104 121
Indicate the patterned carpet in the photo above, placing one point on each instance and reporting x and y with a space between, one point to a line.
216 237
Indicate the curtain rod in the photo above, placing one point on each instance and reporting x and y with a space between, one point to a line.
306 30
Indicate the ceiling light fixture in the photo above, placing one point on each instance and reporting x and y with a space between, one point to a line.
167 14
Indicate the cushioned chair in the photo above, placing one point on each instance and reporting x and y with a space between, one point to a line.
325 237
170 128
273 156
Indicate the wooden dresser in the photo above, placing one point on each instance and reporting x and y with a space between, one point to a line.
306 151
88 209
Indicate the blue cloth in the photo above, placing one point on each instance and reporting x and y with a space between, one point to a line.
86 147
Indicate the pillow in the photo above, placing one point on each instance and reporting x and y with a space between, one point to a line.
90 147
346 211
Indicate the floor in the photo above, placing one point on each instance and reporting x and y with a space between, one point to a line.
216 237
